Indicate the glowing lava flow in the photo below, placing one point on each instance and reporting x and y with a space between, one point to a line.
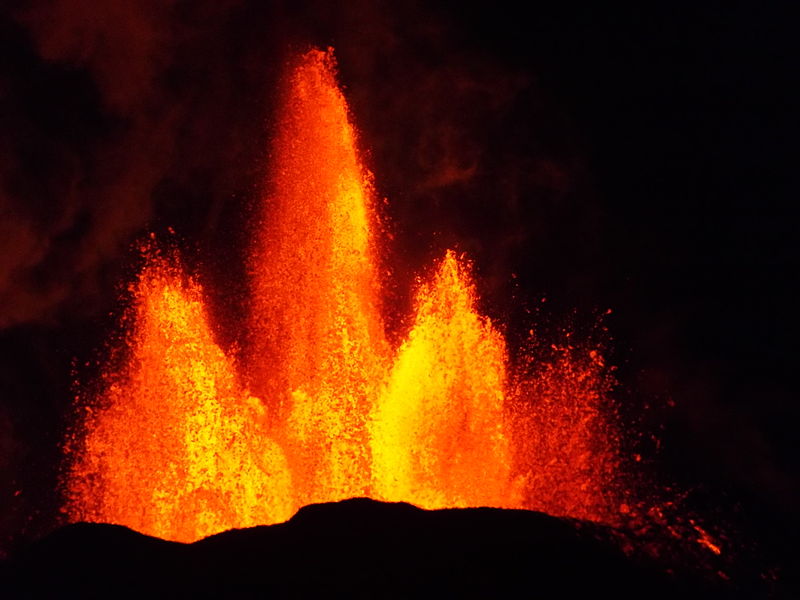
173 445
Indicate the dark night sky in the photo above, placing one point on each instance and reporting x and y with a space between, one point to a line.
623 157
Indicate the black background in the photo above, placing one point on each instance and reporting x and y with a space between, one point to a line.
624 157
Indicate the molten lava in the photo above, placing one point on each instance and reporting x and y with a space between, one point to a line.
438 428
173 444
174 447
566 446
317 351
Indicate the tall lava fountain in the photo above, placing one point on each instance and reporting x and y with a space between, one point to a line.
179 440
317 347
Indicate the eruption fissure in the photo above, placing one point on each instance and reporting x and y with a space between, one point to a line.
179 444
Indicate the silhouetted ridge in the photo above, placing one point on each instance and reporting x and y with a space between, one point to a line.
353 548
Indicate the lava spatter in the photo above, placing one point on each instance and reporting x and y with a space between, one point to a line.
438 431
317 351
175 444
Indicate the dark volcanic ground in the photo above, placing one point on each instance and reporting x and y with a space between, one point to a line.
358 548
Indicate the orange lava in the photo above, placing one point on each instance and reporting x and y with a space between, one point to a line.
565 443
173 444
438 429
317 352
705 539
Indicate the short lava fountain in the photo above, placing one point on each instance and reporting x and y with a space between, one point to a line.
179 440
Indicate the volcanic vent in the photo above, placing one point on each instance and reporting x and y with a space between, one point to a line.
180 439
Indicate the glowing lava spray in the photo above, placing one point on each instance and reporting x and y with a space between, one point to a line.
173 441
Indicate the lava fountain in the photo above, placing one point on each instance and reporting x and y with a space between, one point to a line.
173 446
317 352
178 440
438 429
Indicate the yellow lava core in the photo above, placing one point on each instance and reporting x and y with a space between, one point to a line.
172 443
438 428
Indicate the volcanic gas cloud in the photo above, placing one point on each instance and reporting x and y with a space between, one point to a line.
180 439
